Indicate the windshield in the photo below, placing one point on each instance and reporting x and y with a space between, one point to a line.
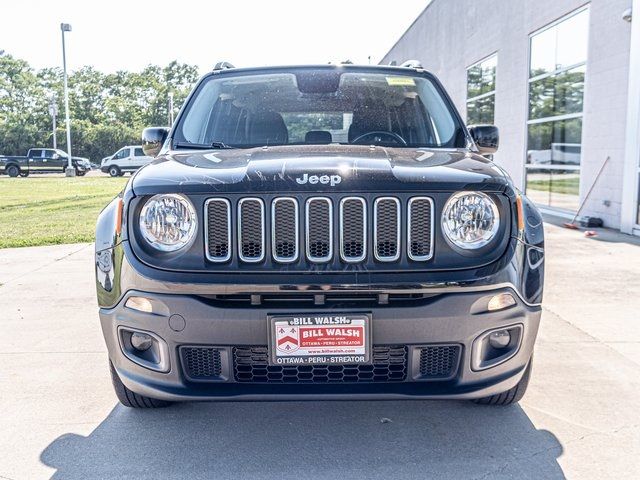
319 106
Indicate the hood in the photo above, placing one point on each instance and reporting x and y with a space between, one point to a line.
321 168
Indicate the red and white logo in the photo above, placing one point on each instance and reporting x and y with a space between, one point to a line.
287 339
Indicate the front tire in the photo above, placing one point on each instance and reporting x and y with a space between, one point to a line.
13 171
511 396
114 171
131 399
80 173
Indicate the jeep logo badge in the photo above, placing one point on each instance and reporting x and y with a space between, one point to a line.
332 180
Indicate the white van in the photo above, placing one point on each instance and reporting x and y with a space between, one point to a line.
127 159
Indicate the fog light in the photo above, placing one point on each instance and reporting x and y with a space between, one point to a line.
141 304
141 341
501 301
499 339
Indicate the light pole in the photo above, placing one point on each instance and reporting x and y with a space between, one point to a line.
53 111
70 171
170 109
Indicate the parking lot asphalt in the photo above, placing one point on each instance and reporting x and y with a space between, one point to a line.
580 419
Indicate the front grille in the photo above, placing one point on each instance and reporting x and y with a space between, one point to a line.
201 363
284 218
439 361
420 228
251 229
218 229
319 228
251 366
353 228
384 231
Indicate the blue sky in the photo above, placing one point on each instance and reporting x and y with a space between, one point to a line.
116 34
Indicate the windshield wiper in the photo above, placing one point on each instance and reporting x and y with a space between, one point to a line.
202 146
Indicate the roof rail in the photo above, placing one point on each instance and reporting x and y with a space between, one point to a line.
412 64
222 66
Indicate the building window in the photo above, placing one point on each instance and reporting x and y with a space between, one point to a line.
481 91
558 55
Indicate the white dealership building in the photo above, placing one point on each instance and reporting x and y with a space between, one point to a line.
561 80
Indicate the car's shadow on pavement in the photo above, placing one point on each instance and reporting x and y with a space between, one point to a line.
386 440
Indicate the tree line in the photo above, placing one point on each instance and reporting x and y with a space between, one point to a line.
107 111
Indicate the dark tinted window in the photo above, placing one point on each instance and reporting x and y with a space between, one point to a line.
138 152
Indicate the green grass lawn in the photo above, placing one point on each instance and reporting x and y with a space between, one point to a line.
49 211
557 185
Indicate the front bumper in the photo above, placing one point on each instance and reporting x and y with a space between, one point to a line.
455 317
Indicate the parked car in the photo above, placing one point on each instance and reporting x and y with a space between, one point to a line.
42 160
558 154
246 263
127 159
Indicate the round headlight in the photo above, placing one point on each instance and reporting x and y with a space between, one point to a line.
470 219
168 222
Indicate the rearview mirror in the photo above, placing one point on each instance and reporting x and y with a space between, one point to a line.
152 140
486 138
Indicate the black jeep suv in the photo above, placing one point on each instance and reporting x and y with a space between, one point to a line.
319 232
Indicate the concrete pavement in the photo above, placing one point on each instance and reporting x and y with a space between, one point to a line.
579 419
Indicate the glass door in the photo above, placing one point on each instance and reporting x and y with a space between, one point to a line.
558 55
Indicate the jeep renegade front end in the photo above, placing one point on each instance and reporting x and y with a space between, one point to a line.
319 232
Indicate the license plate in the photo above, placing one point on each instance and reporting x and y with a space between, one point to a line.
320 339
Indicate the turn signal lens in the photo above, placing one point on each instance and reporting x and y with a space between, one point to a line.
520 212
140 304
119 206
501 301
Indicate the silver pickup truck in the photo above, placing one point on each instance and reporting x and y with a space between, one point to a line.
42 160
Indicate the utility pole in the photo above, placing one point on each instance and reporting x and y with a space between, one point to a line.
70 171
53 111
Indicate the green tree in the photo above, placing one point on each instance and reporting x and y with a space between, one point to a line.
107 111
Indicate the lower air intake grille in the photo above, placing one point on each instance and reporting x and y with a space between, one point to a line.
439 361
201 363
251 366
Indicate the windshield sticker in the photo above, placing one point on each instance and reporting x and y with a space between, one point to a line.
401 81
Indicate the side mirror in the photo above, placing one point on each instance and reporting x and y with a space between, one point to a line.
152 140
486 138
55 156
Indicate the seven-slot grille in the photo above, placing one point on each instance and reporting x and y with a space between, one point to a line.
378 229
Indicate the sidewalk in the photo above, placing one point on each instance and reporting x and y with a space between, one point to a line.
579 418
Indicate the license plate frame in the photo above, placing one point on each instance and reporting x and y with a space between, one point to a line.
330 339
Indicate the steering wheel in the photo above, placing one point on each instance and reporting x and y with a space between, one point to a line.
377 138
